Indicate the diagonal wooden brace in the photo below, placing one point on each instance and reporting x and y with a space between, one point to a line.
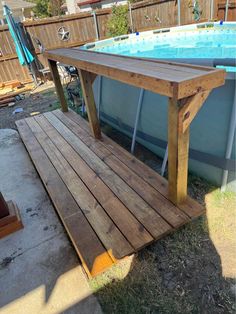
86 80
190 108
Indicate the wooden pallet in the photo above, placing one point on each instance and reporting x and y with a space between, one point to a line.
110 203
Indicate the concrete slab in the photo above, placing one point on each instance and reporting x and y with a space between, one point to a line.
39 269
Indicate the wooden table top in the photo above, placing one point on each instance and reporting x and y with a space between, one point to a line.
162 77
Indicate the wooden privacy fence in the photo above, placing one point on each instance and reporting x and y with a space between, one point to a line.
84 27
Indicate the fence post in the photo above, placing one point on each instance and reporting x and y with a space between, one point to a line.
131 17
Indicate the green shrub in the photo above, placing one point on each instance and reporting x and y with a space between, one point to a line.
118 22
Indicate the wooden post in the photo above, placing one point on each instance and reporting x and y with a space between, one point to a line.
86 80
178 147
10 220
58 85
3 207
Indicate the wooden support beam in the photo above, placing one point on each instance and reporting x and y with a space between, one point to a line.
178 147
58 85
190 108
86 80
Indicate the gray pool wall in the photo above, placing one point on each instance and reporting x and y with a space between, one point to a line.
208 131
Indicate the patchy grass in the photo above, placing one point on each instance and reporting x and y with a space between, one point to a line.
189 271
181 273
221 213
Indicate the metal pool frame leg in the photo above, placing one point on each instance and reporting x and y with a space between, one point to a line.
164 162
99 95
230 141
140 101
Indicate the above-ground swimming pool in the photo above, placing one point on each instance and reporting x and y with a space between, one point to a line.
212 139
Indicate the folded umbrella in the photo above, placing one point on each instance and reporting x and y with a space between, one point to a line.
24 55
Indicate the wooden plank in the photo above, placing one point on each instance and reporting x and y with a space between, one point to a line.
126 222
58 85
163 87
200 84
178 147
94 257
16 92
92 253
106 230
190 108
156 200
161 66
146 74
146 215
86 83
12 84
190 207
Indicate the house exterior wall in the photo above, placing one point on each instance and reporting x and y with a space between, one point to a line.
72 6
101 5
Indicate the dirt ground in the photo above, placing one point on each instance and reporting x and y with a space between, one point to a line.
190 271
43 99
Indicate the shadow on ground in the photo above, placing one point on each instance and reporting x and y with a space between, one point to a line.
191 271
181 274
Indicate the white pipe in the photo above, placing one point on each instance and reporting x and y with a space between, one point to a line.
140 101
226 10
212 10
179 12
230 141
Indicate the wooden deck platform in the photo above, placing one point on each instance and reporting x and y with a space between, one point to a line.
110 203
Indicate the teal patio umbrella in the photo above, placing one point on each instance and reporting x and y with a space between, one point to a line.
24 55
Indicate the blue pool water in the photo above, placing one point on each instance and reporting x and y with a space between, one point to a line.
194 45
216 42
